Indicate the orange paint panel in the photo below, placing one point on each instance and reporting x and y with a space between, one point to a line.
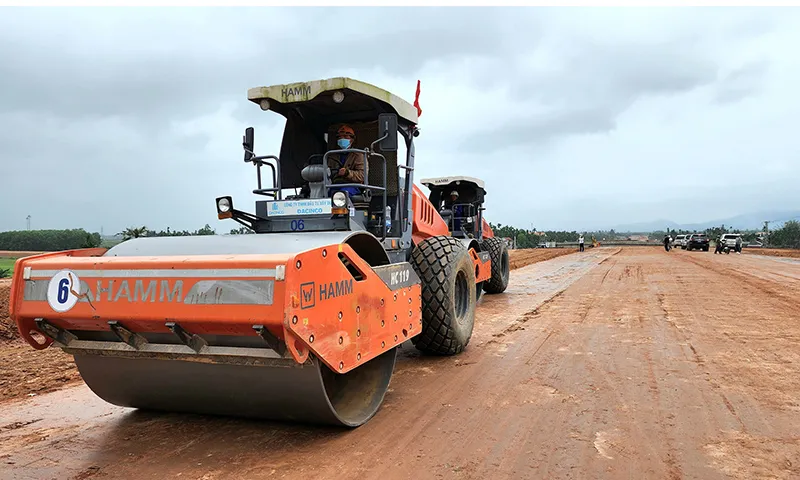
427 221
487 230
348 321
483 270
146 292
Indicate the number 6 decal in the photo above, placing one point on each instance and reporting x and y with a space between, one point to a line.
60 291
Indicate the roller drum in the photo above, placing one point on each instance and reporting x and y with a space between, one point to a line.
281 389
308 393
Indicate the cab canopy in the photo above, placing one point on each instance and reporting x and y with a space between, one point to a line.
315 110
470 189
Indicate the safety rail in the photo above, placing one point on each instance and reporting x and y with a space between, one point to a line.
274 192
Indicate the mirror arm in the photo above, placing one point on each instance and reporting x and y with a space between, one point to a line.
372 145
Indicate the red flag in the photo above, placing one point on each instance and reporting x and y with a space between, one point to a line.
416 101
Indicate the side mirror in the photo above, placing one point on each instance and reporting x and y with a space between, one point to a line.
247 144
387 125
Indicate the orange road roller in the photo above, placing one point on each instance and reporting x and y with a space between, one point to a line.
300 318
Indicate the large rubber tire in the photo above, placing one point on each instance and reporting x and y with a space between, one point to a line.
498 253
448 295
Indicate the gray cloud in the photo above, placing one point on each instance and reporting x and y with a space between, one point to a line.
592 83
742 82
137 114
539 129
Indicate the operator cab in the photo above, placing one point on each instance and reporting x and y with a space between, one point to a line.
303 195
464 215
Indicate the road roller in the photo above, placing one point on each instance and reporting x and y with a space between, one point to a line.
300 318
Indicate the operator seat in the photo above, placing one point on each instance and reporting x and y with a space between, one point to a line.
315 176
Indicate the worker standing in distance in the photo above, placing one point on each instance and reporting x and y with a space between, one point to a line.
580 242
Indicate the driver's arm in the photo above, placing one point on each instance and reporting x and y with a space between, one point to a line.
355 172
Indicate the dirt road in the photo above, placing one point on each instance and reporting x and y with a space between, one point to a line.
632 363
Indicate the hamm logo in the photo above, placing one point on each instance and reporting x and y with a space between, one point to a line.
296 93
307 299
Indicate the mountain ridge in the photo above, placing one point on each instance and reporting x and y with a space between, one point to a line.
745 221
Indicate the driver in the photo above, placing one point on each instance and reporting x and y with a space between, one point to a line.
456 210
453 200
346 167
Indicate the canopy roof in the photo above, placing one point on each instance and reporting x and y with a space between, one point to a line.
314 99
444 181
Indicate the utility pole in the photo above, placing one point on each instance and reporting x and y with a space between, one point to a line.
28 221
766 233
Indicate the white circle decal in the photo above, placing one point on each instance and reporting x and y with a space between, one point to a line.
61 292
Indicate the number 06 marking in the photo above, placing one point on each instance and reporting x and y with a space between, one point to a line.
297 225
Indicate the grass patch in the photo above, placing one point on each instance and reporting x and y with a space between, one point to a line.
7 263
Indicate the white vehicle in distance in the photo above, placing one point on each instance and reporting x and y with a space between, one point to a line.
680 241
729 239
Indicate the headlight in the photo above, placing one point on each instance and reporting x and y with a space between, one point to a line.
223 205
339 199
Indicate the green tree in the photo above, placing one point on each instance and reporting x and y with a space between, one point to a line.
133 232
47 240
206 230
92 240
787 236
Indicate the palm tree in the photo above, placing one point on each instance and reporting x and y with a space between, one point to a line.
133 232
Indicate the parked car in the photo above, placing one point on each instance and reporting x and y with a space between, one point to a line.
729 239
697 241
680 241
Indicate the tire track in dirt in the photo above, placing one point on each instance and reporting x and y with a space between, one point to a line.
734 325
684 338
750 280
633 279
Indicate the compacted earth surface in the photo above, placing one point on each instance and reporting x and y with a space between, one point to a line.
625 362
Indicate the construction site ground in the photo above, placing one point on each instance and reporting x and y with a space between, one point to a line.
612 363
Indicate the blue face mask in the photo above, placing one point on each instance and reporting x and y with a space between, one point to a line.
344 143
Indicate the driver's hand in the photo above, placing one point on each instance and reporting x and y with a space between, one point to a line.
342 172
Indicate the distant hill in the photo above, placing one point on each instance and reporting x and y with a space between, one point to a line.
747 221
646 226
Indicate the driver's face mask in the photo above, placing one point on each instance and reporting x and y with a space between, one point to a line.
344 143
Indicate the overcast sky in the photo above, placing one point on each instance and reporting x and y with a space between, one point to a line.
575 118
